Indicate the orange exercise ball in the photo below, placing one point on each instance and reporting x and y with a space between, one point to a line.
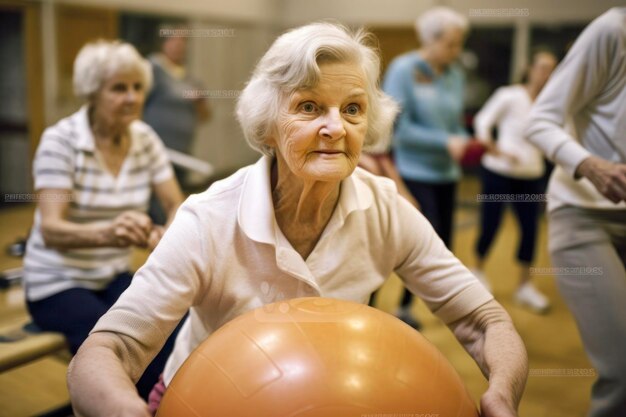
316 357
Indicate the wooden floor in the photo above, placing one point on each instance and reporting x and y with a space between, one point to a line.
552 341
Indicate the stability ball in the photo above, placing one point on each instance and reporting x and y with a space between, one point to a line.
316 357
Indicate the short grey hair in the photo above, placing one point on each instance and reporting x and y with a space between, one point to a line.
99 60
435 21
292 63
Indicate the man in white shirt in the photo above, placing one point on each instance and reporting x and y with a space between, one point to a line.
587 196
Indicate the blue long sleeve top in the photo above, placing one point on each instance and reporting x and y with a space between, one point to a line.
432 110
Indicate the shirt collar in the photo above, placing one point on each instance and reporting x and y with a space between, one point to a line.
256 208
85 140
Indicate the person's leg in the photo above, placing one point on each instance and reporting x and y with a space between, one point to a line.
73 312
490 219
446 203
588 254
490 213
426 197
113 291
527 213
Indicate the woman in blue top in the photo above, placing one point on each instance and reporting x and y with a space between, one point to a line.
429 138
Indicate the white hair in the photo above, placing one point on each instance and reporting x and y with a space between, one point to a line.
292 63
435 21
99 60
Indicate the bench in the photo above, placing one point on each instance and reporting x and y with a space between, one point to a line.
24 343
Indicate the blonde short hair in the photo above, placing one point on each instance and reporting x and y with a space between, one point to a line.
99 60
435 21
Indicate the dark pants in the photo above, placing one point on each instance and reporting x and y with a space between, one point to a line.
437 203
526 211
74 313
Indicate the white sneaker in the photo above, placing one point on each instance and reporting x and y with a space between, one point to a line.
529 296
482 278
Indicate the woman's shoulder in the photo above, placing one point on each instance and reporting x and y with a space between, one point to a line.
383 188
224 191
66 131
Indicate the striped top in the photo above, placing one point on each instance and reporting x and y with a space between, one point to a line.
67 158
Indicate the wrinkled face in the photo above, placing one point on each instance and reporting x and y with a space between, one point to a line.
320 131
447 46
541 69
120 99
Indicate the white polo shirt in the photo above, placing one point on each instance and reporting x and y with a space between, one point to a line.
225 255
508 109
67 158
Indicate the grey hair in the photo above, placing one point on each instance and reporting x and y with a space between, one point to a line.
292 63
435 21
99 60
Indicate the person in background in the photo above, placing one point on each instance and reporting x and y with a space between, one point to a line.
587 196
94 172
175 106
515 167
429 138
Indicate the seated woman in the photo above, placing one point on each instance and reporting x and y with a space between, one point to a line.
302 221
94 172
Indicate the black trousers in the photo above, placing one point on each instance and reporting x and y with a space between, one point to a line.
526 210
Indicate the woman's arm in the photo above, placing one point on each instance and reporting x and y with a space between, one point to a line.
100 379
490 338
129 228
432 272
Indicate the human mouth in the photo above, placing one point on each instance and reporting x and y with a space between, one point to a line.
329 152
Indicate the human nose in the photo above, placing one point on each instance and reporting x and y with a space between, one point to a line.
132 96
332 127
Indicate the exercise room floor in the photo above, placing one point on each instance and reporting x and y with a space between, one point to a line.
555 387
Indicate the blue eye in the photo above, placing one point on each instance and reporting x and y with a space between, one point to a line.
353 109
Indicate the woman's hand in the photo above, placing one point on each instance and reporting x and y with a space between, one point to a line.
490 338
609 178
130 228
492 404
155 236
456 147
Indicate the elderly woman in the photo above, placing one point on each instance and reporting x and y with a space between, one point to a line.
302 221
429 137
94 172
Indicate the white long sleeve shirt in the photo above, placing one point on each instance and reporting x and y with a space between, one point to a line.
508 109
589 87
224 255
